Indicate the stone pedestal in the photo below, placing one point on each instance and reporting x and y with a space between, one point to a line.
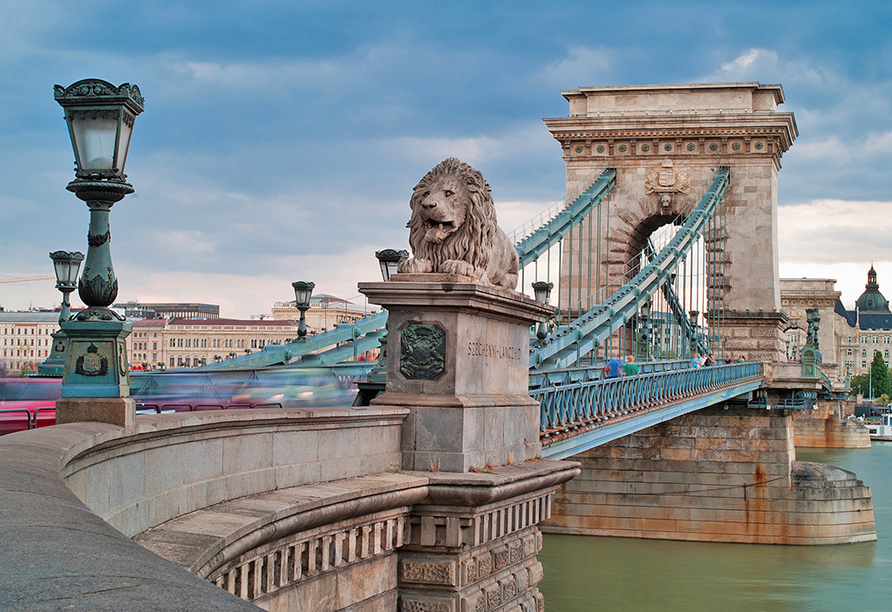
120 411
96 381
458 358
758 336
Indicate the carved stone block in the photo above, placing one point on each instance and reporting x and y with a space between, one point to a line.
438 573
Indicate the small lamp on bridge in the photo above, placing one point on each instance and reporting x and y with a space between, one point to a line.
389 259
66 265
643 316
542 291
303 292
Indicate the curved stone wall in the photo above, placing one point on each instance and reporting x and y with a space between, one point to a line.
72 496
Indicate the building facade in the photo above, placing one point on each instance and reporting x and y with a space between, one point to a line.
26 339
325 312
847 339
178 343
173 310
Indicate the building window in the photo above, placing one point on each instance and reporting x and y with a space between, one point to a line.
863 364
864 353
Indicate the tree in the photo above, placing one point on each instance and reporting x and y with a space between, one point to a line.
879 373
859 384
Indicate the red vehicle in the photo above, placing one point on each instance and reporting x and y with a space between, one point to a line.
26 403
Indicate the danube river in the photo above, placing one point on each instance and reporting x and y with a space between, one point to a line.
605 574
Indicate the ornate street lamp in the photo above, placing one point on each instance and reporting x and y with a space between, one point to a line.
303 292
388 260
643 317
542 291
695 333
100 118
66 266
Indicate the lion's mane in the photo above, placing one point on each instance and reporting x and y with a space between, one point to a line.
470 242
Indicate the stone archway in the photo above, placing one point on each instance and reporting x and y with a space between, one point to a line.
666 143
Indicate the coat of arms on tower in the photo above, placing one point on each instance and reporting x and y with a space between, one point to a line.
667 181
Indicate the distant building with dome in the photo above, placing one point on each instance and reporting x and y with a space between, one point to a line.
847 338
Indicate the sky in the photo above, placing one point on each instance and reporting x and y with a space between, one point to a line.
281 139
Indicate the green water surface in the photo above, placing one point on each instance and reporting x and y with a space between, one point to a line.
588 573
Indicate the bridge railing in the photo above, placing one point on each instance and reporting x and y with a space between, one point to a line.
587 401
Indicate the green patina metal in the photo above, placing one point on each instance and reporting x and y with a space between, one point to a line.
422 351
100 118
811 356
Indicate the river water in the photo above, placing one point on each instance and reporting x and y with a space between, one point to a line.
587 573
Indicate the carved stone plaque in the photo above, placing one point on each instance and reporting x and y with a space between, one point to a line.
422 351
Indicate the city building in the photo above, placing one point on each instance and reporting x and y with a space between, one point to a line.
174 343
847 339
26 339
140 310
326 312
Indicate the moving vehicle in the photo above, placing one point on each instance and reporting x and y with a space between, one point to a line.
26 403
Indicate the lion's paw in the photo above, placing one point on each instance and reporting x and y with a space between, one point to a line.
457 266
414 265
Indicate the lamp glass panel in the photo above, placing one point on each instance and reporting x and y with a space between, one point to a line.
391 268
61 267
385 270
123 145
95 141
302 295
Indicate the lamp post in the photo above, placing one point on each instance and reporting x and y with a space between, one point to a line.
100 118
66 266
303 293
389 260
694 333
542 291
376 380
643 318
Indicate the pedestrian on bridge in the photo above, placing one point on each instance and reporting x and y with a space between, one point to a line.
631 368
613 368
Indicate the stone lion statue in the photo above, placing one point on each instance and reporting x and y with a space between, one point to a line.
453 228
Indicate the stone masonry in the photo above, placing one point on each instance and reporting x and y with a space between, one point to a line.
723 474
666 143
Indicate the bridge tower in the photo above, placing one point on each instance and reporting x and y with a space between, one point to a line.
666 142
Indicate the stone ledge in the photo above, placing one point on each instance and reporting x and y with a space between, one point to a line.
207 539
57 552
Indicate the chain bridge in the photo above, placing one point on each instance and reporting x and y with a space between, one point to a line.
595 415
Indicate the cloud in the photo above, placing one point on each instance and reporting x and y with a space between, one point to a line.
581 66
834 231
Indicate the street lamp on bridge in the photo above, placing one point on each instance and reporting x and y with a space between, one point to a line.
100 118
303 293
389 260
66 266
542 291
643 317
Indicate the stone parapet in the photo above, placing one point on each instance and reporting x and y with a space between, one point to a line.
252 502
758 336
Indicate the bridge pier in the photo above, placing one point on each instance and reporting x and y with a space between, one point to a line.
458 361
723 474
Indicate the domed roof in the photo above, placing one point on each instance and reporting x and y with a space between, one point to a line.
872 300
